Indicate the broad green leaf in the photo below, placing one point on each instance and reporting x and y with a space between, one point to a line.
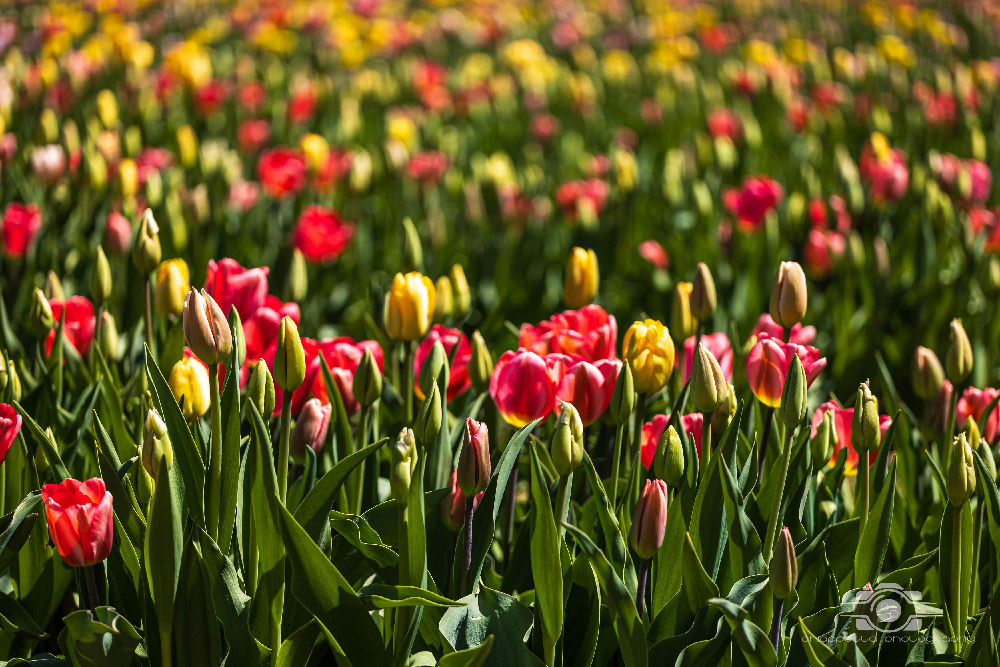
230 406
296 650
470 657
382 596
751 640
49 448
875 538
14 618
667 567
197 642
546 565
614 540
163 547
490 613
107 641
17 528
581 627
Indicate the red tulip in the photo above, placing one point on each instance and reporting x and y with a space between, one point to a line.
78 327
252 135
821 247
767 367
652 432
427 167
725 123
453 506
972 403
282 172
798 334
343 356
649 522
20 227
886 176
592 193
753 201
320 234
310 430
587 386
842 418
232 285
521 387
10 425
336 166
302 105
717 344
80 520
590 333
653 252
458 377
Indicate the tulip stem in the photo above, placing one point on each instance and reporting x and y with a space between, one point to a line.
706 440
950 422
616 462
768 418
148 315
562 501
772 521
285 431
215 458
361 442
511 503
955 610
977 538
408 374
402 620
861 493
635 473
779 604
467 557
95 345
88 574
640 592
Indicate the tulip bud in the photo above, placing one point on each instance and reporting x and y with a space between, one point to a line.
206 330
865 432
788 297
821 444
991 465
940 409
784 569
703 298
453 506
298 277
53 287
40 314
155 443
461 297
793 397
709 388
474 467
649 522
443 307
959 359
669 463
961 482
367 385
173 281
15 382
413 252
238 335
409 306
623 398
260 389
434 369
404 464
582 278
189 384
289 357
480 363
128 178
4 375
724 413
429 418
310 430
100 278
108 340
927 373
683 322
187 146
146 250
567 441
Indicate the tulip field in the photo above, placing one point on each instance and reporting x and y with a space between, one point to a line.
499 333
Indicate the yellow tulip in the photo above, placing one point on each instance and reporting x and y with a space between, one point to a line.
189 384
649 350
582 278
173 280
409 306
315 149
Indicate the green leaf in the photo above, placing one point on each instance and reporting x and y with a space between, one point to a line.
615 544
107 641
470 657
163 547
628 627
697 587
296 650
875 538
751 640
17 528
818 653
485 614
667 581
230 407
546 564
342 429
49 448
582 625
323 591
382 596
14 617
197 642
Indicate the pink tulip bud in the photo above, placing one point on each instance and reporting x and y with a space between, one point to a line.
474 468
649 522
310 429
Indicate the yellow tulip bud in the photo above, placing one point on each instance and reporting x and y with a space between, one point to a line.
681 319
315 149
173 280
650 353
582 278
409 306
189 384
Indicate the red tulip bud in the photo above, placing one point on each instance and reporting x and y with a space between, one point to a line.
474 468
649 523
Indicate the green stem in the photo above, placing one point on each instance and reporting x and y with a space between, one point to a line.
408 374
284 433
955 609
402 617
706 441
88 572
165 637
635 473
562 500
97 338
949 432
861 493
148 316
772 521
977 538
362 434
616 462
215 456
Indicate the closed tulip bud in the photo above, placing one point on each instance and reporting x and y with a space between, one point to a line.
128 178
413 252
48 126
959 359
972 433
146 251
582 278
367 385
474 467
316 150
623 398
289 357
865 432
403 465
649 522
793 396
709 388
684 323
480 363
154 189
155 443
789 295
453 506
434 369
4 374
703 297
961 482
409 306
40 314
567 441
650 351
15 381
669 463
260 389
461 296
108 340
724 413
239 336
443 307
206 330
430 417
928 373
784 569
100 278
311 427
940 410
173 281
821 444
298 277
53 287
991 465
189 384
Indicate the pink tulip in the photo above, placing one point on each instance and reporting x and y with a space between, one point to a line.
521 387
79 515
